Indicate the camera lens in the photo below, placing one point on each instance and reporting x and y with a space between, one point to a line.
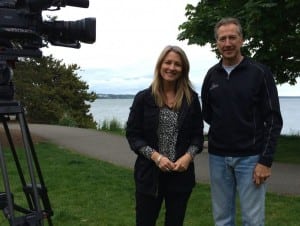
83 30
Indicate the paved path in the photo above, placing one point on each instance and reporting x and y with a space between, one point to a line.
285 178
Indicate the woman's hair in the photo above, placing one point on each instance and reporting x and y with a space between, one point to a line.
183 85
226 21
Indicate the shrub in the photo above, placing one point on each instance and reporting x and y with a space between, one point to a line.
112 126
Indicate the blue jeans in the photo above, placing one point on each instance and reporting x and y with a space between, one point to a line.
232 175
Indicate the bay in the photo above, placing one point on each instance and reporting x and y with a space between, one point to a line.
108 109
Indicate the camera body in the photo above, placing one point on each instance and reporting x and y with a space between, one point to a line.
23 31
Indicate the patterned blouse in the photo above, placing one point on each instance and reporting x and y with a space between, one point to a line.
167 136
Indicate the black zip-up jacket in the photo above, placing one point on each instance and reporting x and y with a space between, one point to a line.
243 111
141 130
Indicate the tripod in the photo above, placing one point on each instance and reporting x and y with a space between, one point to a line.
35 191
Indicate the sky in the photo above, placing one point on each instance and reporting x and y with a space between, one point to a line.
130 36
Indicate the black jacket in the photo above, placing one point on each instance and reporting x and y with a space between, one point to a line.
242 110
141 131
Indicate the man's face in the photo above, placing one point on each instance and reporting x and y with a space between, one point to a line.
229 43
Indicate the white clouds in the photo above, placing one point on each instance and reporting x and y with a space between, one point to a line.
126 31
130 36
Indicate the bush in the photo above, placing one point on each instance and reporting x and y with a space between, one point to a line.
67 120
112 126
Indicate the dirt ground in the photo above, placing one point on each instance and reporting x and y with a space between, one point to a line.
16 137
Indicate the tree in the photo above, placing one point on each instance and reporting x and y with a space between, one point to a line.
52 92
271 31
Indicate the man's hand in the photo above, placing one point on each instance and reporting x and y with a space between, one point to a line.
261 173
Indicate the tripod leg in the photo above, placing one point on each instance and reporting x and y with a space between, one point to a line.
29 162
38 190
43 189
9 209
17 162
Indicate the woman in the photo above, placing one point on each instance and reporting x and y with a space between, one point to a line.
165 130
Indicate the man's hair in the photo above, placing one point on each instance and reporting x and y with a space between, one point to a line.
228 20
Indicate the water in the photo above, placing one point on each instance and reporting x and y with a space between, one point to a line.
290 108
108 109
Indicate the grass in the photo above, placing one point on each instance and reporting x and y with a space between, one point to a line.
112 126
85 191
288 149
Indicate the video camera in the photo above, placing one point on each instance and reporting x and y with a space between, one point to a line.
23 31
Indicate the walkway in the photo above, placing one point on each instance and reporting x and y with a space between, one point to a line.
285 178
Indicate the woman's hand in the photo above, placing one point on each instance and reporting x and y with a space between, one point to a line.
183 163
162 162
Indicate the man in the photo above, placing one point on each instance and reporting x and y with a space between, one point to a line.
241 106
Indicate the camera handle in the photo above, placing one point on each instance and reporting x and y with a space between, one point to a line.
35 192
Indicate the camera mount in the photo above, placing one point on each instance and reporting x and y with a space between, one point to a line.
22 33
34 188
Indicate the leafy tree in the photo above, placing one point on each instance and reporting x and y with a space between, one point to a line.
271 31
52 92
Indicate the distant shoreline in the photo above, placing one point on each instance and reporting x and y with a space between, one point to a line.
289 97
130 96
115 96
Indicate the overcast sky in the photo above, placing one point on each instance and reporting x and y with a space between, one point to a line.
130 36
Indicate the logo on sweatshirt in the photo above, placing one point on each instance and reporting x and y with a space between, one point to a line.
213 86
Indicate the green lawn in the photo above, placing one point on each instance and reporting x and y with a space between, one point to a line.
288 150
85 191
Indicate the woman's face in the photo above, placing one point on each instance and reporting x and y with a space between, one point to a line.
171 67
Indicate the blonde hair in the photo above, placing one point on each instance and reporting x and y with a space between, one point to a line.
183 85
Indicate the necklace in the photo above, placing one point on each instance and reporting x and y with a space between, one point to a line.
170 101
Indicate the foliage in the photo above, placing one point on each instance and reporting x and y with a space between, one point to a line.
271 31
113 126
53 93
67 120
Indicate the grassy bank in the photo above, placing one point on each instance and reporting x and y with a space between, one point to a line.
85 191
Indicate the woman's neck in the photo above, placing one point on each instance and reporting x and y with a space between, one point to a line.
169 95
